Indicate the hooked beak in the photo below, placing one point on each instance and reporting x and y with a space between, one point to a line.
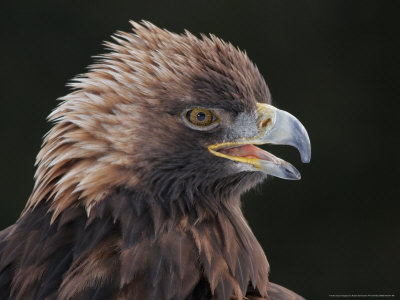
274 126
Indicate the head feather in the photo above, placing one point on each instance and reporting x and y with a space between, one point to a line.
97 141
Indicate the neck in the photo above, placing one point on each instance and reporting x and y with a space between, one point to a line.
137 246
189 247
133 246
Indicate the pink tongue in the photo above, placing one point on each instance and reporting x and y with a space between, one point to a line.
248 150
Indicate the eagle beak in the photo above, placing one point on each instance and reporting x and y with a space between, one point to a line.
274 126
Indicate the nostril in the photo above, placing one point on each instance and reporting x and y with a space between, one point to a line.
265 122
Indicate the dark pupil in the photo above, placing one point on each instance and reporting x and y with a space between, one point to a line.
201 116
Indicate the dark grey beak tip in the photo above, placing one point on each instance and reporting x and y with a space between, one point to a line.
306 159
305 152
292 173
297 177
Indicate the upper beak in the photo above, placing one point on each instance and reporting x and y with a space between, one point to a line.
274 126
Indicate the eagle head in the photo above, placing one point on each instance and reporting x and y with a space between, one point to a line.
173 115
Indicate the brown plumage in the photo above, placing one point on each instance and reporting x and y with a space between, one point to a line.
135 200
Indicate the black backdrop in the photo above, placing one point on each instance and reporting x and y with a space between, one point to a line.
330 63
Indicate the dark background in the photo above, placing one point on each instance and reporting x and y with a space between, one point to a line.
333 64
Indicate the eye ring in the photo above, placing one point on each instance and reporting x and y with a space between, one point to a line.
201 118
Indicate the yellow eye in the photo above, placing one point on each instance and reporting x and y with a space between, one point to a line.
201 117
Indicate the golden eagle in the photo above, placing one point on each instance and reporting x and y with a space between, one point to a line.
138 183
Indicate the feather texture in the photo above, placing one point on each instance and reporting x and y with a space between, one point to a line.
128 203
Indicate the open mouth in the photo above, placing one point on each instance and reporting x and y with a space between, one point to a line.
248 151
260 159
